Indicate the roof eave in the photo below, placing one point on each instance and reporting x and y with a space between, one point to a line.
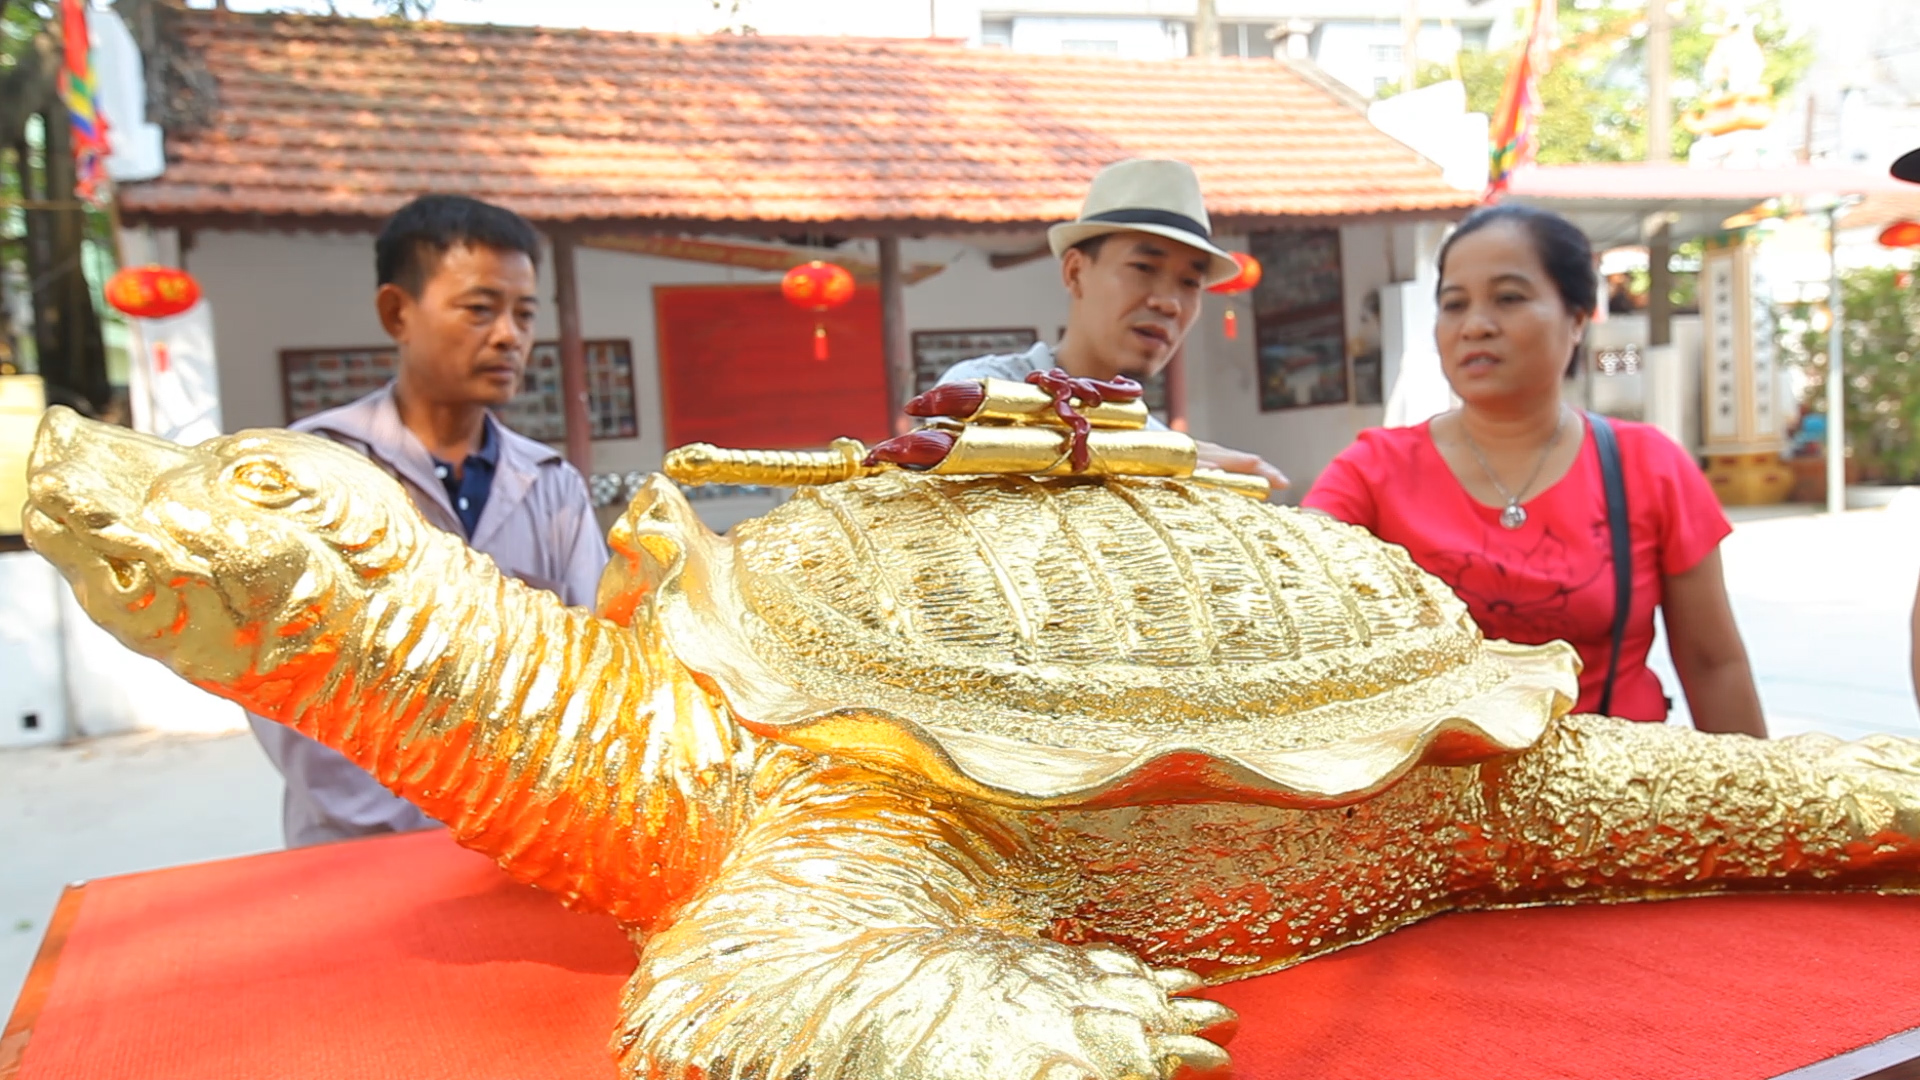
906 228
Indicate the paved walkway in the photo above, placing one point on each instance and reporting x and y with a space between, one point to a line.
1823 603
116 806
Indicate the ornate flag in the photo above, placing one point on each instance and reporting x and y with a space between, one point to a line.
1518 115
78 92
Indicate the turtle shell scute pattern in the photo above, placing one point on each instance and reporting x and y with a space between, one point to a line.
1117 618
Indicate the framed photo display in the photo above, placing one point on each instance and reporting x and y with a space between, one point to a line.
314 380
934 351
1299 325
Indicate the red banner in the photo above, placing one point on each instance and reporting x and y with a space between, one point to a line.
737 368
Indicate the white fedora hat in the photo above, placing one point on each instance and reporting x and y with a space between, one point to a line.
1150 196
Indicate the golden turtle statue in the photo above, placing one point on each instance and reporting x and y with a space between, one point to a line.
933 776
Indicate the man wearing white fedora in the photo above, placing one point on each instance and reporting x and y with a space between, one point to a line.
1135 264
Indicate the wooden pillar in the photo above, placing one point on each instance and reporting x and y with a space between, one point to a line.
1176 374
1206 30
1660 286
1659 72
1836 374
893 335
1410 46
573 357
1659 148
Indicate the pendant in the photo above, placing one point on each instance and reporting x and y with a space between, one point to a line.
1513 516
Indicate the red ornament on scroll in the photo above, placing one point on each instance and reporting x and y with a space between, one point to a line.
1247 278
152 292
819 287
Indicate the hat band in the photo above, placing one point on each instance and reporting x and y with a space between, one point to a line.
1151 217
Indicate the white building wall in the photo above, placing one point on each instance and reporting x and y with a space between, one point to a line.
274 291
1365 54
1345 51
33 691
1134 39
1224 373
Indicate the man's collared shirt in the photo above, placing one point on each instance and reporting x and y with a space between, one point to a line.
470 484
1015 367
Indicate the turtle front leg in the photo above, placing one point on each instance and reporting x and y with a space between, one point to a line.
868 928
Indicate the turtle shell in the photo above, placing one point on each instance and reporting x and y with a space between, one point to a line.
1072 641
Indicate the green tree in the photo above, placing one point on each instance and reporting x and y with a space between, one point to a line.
1880 354
45 231
1594 95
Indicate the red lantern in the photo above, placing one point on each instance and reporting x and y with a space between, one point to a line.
1247 278
152 292
1901 234
817 286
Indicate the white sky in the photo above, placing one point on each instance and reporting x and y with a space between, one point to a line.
1855 37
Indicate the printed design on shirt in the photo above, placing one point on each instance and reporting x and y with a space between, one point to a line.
1520 586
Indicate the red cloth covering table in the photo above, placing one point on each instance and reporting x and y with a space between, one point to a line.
409 957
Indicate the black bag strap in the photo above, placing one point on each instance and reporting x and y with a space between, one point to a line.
1611 478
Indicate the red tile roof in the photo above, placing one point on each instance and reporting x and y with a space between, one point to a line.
346 119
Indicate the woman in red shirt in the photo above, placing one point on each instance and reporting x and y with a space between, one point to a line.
1503 499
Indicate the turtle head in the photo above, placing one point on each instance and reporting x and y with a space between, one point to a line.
243 557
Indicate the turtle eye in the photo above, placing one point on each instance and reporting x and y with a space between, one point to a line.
263 482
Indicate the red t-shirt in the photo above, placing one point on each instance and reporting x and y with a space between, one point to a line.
1551 578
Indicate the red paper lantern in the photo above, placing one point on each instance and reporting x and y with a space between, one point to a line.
152 292
817 286
1901 234
1247 278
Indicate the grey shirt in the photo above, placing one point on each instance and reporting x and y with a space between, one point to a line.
1015 367
537 525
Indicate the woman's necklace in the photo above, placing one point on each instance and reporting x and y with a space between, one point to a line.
1515 515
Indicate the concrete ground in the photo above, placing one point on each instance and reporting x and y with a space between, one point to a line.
1824 605
1822 601
116 806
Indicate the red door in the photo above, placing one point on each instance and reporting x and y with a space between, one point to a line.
737 368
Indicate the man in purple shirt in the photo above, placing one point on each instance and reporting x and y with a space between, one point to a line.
457 293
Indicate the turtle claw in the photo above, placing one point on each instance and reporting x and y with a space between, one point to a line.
1209 1020
1136 1021
1189 1057
1177 980
1113 961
